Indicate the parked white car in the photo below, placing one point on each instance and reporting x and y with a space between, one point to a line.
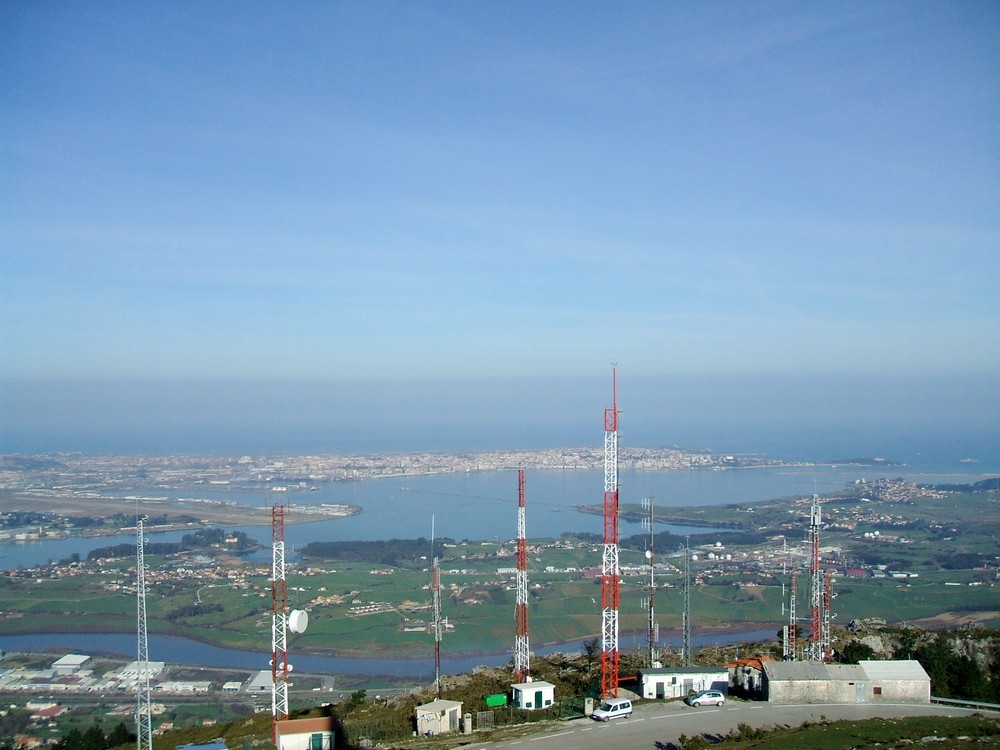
706 698
613 708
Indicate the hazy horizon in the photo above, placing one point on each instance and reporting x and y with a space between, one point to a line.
947 418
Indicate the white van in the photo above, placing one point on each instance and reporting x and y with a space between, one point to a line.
612 708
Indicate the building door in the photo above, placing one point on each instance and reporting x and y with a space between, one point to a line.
538 699
661 690
860 692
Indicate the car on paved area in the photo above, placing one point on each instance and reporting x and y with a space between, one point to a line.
612 709
706 698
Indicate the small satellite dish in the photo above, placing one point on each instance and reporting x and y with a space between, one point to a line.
298 621
649 555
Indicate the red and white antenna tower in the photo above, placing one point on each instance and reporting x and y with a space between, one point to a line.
521 666
609 568
816 585
279 622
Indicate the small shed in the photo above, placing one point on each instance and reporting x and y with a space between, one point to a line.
533 694
678 682
306 734
438 717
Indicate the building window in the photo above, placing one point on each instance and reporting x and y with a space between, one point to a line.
877 690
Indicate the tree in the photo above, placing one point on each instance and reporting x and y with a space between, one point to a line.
120 735
935 657
591 649
854 652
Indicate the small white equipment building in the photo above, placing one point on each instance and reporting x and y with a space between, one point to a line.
438 717
533 694
664 683
306 734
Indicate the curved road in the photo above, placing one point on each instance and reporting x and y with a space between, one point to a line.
653 725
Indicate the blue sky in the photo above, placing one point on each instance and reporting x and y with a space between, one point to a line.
404 202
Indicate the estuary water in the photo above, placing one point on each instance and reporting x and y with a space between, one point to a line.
483 505
183 651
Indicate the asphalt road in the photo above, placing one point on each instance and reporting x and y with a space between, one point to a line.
654 725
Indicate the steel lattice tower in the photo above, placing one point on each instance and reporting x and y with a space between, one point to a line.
609 567
686 636
793 626
827 650
279 622
652 629
143 709
521 654
816 585
436 586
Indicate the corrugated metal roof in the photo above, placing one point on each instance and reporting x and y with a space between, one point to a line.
811 670
894 670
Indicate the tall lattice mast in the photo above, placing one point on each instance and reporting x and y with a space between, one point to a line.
436 585
816 585
827 647
522 668
609 567
436 625
652 628
686 624
279 622
793 626
143 709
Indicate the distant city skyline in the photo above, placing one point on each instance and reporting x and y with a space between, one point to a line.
407 221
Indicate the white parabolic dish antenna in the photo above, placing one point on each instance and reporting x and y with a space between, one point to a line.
298 621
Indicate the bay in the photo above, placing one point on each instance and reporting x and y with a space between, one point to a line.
483 505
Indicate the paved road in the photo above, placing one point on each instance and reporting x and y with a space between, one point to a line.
651 724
